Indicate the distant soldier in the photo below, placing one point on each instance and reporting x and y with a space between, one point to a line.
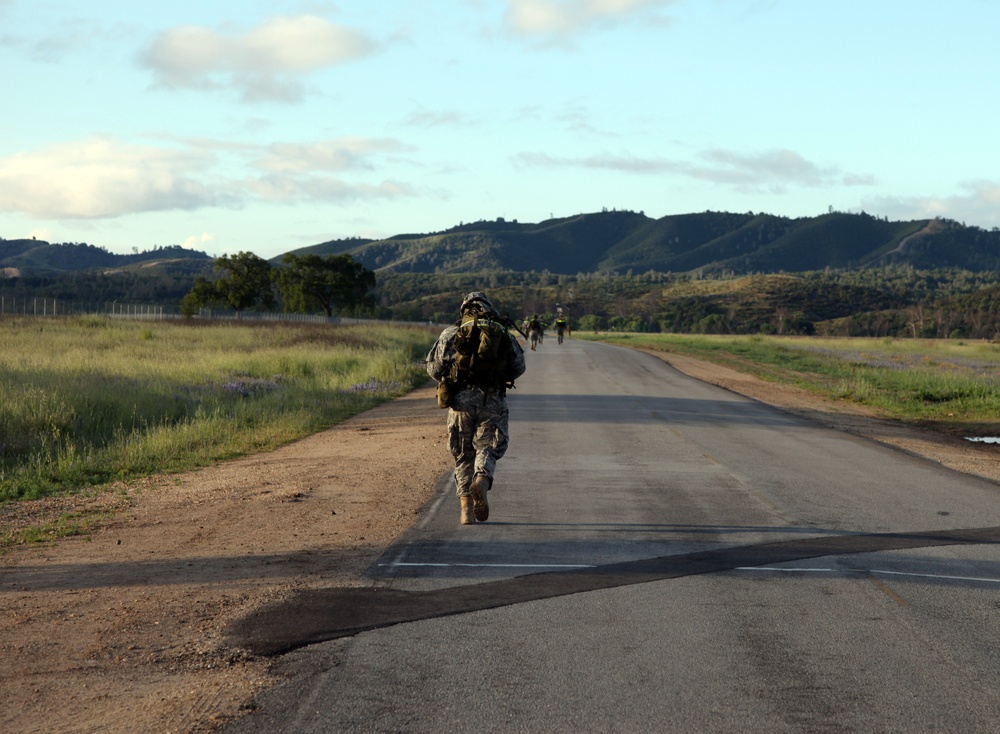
534 331
562 327
474 361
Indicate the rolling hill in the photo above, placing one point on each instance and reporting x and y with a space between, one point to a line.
709 243
38 257
716 272
712 243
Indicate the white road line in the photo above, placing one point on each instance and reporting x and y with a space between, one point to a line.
785 570
492 565
938 576
765 569
942 577
435 506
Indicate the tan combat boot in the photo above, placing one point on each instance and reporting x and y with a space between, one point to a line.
478 489
468 518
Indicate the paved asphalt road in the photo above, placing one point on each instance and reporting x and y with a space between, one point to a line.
662 556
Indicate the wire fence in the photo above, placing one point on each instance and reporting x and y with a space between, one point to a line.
30 306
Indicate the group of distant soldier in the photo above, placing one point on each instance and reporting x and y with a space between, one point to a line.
536 329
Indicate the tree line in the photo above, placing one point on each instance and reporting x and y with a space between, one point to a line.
306 284
897 300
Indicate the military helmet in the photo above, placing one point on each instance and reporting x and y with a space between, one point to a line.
476 301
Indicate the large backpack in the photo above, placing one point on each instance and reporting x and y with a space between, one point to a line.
482 347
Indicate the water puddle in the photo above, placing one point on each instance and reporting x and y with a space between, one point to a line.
983 439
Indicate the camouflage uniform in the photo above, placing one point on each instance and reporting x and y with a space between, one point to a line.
478 431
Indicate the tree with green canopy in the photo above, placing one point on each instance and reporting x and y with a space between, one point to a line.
310 282
246 282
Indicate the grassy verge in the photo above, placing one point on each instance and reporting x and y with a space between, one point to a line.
943 384
90 401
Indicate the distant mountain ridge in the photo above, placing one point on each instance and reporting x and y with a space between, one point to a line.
711 243
38 256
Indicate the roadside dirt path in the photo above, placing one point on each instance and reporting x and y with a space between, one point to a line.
121 630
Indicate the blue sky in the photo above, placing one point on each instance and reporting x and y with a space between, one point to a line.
269 125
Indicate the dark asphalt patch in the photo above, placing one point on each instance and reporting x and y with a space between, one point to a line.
319 615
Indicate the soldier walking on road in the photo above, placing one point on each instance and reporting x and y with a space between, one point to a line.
561 328
474 362
535 331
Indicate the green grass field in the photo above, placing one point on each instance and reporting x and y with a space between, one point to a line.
944 384
88 401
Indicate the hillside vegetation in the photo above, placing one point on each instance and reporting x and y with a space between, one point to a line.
39 257
709 242
711 272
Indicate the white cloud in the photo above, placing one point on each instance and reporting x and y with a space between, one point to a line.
978 202
103 178
859 179
561 17
40 233
100 178
438 118
62 36
196 241
779 166
771 170
296 189
263 64
341 154
603 161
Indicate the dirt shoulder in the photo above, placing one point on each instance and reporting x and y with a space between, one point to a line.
121 630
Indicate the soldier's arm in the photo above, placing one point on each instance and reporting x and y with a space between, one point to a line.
440 357
515 360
